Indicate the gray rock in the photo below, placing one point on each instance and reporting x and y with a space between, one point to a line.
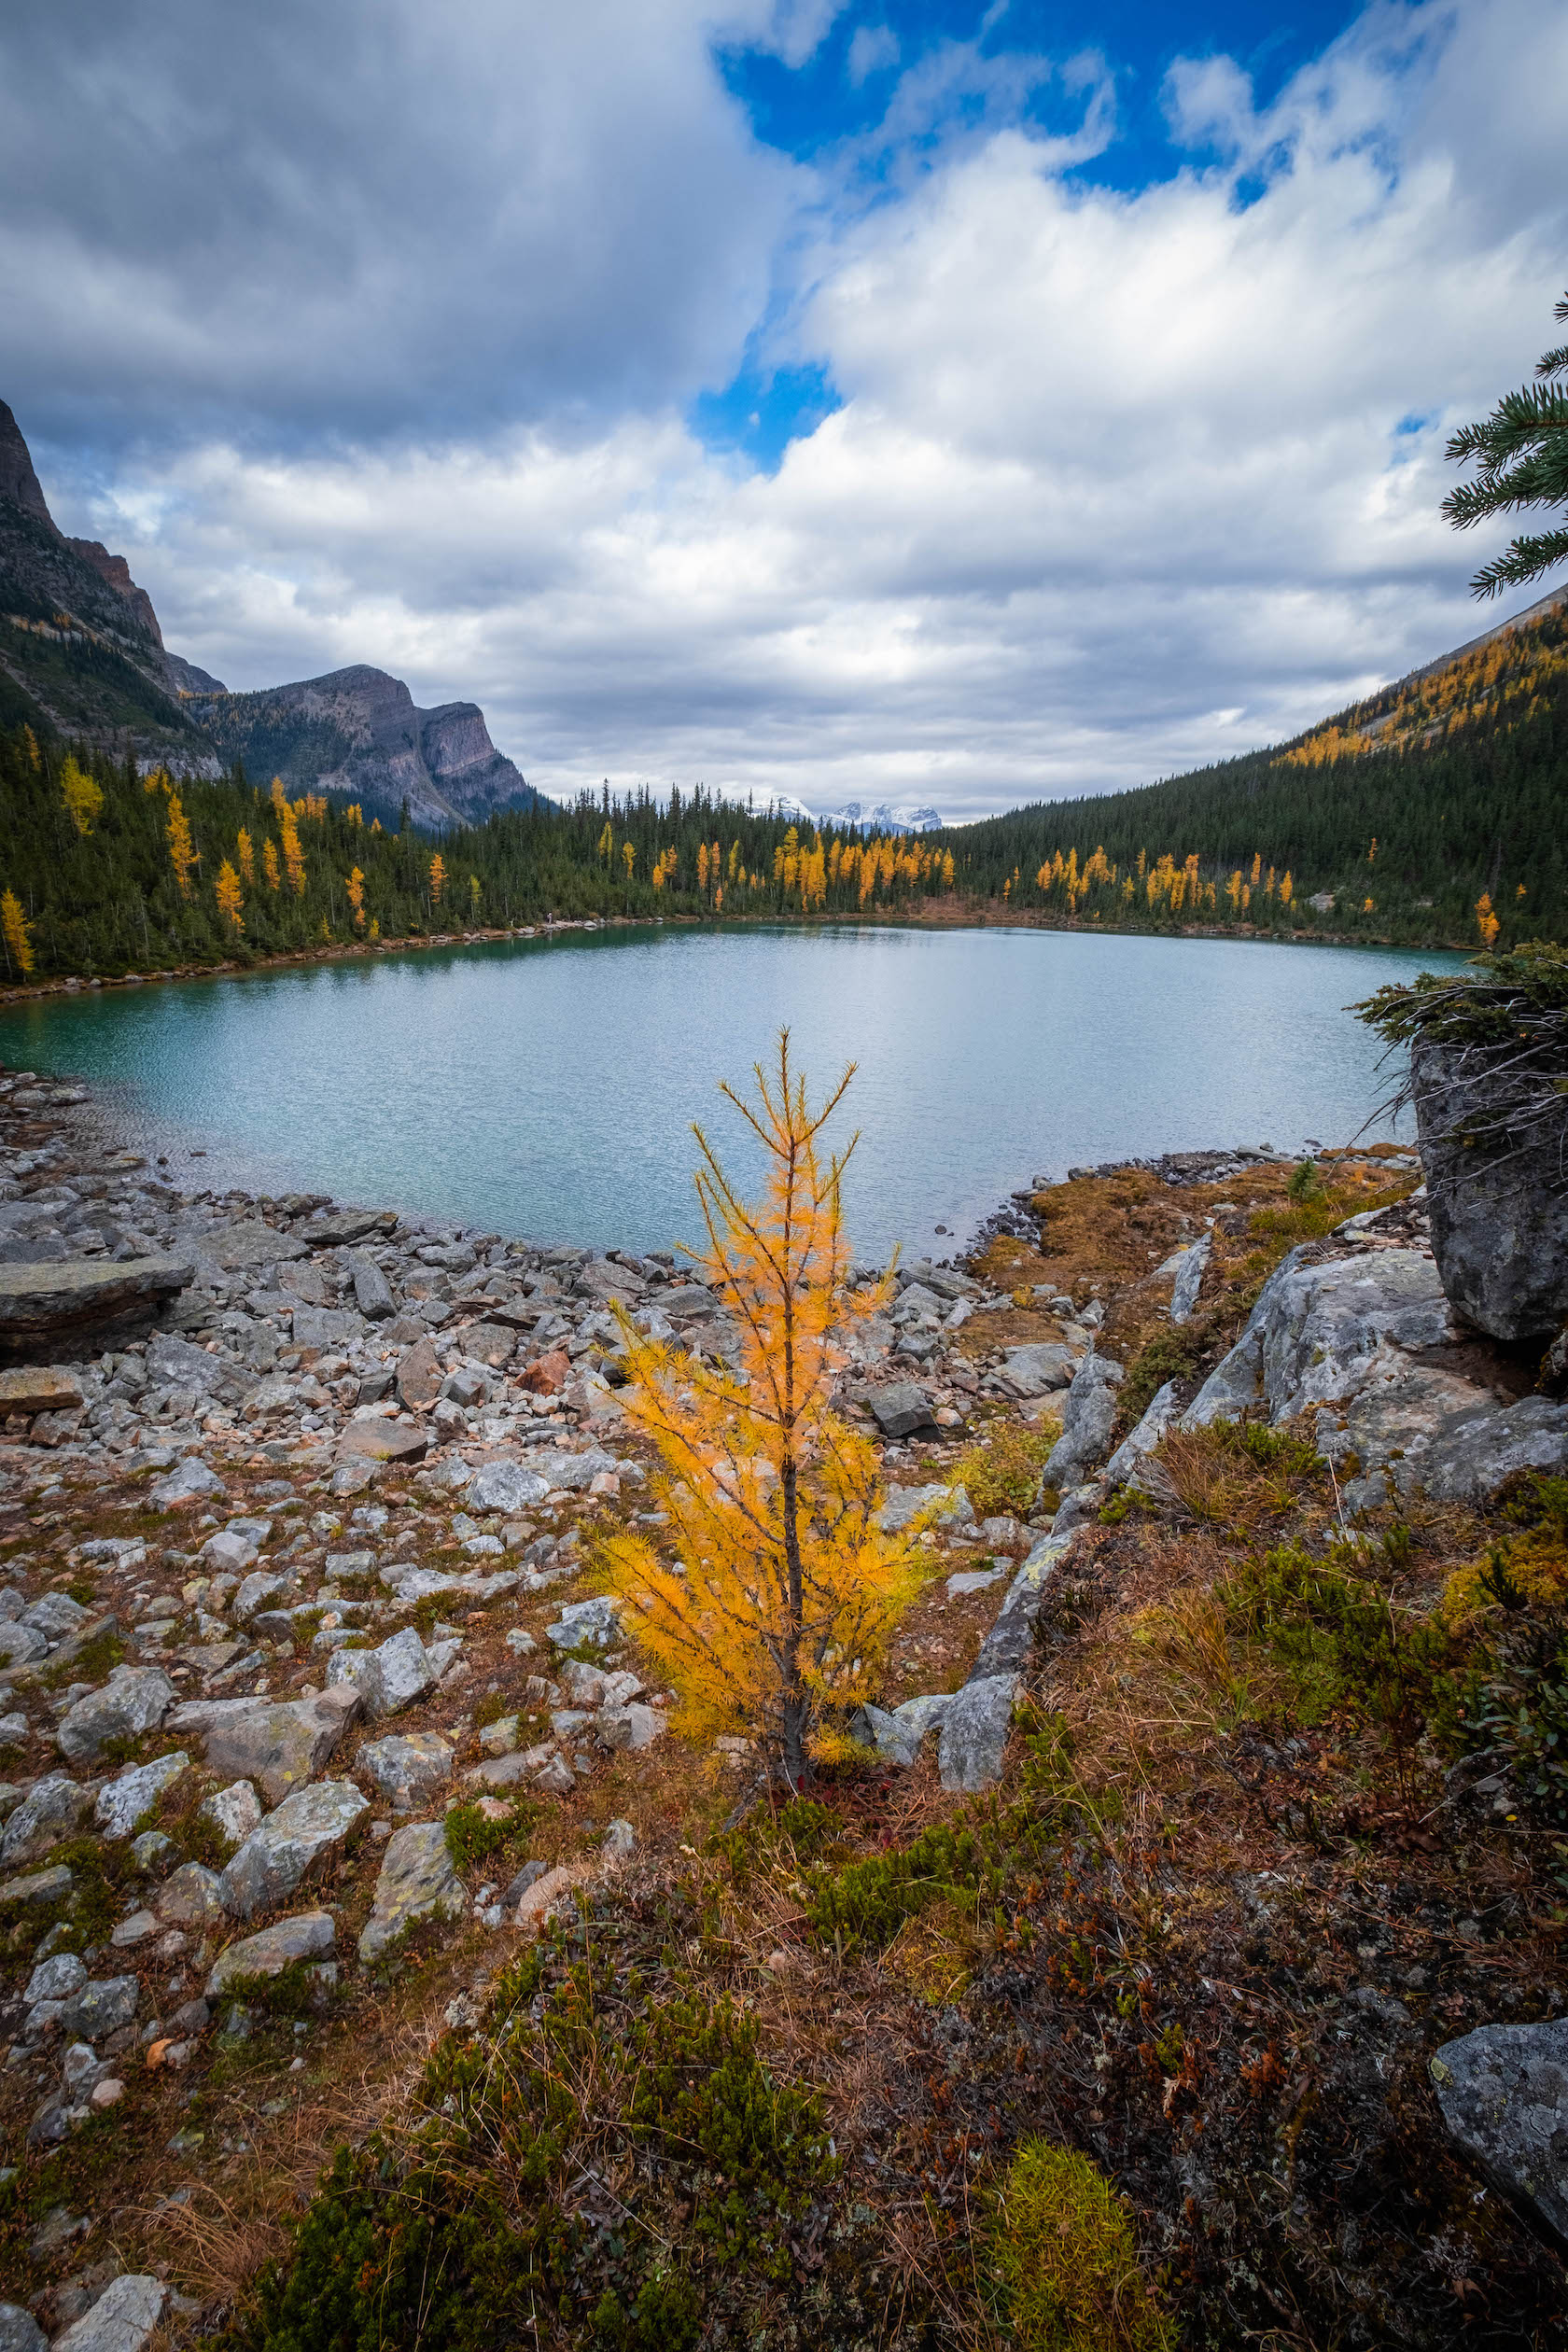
121 1804
1088 1419
373 1438
1043 1365
619 1841
1473 1452
174 1362
191 1480
975 1732
505 1486
334 1227
238 1247
1008 1644
153 1852
52 1809
529 1875
55 1978
227 1553
1499 1225
388 1678
309 1826
122 2320
897 1735
632 1727
278 1747
1188 1271
136 1699
38 1886
373 1293
256 1592
326 1327
568 1473
418 1881
191 1896
1079 1506
99 2009
234 1811
308 1936
55 1616
19 1645
20 2332
901 1409
1137 1446
407 1769
75 1294
940 1505
595 1621
1504 2094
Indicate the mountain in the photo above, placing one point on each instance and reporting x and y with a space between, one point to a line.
82 655
885 817
359 732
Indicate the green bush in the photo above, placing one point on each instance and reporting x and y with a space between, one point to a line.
861 1907
1066 2260
471 1837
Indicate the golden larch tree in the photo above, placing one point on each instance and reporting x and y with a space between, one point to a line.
355 887
1487 923
246 855
473 894
438 878
774 1616
82 794
230 903
270 866
182 851
293 856
17 931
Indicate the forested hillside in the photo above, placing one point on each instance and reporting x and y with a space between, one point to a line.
1405 812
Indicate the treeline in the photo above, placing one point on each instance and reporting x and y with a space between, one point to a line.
105 870
1406 813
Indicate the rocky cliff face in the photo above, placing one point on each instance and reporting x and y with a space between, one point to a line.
18 481
358 731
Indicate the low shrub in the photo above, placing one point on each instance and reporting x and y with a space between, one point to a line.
1003 1474
472 1836
1066 2260
861 1907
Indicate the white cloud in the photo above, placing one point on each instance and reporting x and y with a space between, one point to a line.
1118 485
873 50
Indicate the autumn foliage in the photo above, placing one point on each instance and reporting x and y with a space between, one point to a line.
772 1616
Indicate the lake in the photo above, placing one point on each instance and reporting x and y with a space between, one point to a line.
547 1087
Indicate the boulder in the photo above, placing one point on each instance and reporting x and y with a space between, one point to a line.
595 1622
377 1439
897 1735
975 1732
1141 1442
388 1678
1089 1416
936 1506
490 1343
20 2332
136 1699
548 1375
98 2009
505 1485
308 1936
335 1227
41 1391
418 1881
121 1804
191 1896
76 1294
373 1293
37 1887
630 1726
1504 2094
52 1809
408 1770
55 1978
234 1811
288 1845
1043 1365
1187 1269
279 1746
419 1376
902 1410
122 2320
21 1644
326 1327
190 1481
238 1247
569 1473
1499 1220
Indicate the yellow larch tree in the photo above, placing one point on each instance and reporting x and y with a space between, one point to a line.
628 857
246 855
270 866
230 903
182 851
473 896
82 794
18 932
355 887
1487 922
773 1617
293 856
438 878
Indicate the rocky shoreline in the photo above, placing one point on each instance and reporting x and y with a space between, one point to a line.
294 1501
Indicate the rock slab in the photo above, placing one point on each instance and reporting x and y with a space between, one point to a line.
1504 2092
418 1881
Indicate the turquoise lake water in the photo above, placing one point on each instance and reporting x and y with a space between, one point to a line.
547 1087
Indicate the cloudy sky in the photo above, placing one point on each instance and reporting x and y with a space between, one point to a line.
924 402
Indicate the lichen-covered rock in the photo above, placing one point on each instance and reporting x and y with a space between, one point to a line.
389 1677
136 1699
505 1486
98 2009
407 1769
1504 2092
123 1801
594 1622
1499 1220
122 2320
975 1732
191 1482
51 1810
1007 1645
278 1747
191 1896
1088 1419
308 1936
418 1881
282 1852
20 2332
938 1505
234 1811
1141 1442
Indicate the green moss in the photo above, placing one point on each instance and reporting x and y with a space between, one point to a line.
94 1662
1066 2260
